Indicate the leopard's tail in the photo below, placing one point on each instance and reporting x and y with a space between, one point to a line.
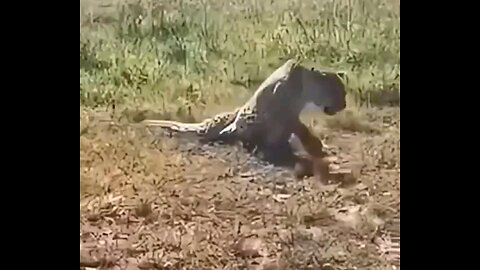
208 126
177 126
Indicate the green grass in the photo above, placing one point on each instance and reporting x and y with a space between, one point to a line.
189 55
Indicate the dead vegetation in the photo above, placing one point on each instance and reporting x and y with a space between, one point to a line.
176 204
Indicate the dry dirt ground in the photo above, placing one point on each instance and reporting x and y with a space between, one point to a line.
173 203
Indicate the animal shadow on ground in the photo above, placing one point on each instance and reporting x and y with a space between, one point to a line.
283 155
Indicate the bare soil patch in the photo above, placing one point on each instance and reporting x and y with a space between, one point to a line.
173 203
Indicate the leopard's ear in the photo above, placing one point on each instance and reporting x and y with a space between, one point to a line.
291 64
341 74
298 60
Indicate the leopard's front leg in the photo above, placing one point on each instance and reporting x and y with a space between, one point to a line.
313 162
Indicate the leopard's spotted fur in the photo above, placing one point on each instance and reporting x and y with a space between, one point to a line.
248 114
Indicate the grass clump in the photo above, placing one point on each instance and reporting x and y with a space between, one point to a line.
182 56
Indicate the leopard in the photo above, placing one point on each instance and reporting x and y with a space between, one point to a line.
269 110
271 116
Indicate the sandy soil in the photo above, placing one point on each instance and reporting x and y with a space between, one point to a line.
173 203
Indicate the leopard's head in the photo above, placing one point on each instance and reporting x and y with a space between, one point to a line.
322 91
